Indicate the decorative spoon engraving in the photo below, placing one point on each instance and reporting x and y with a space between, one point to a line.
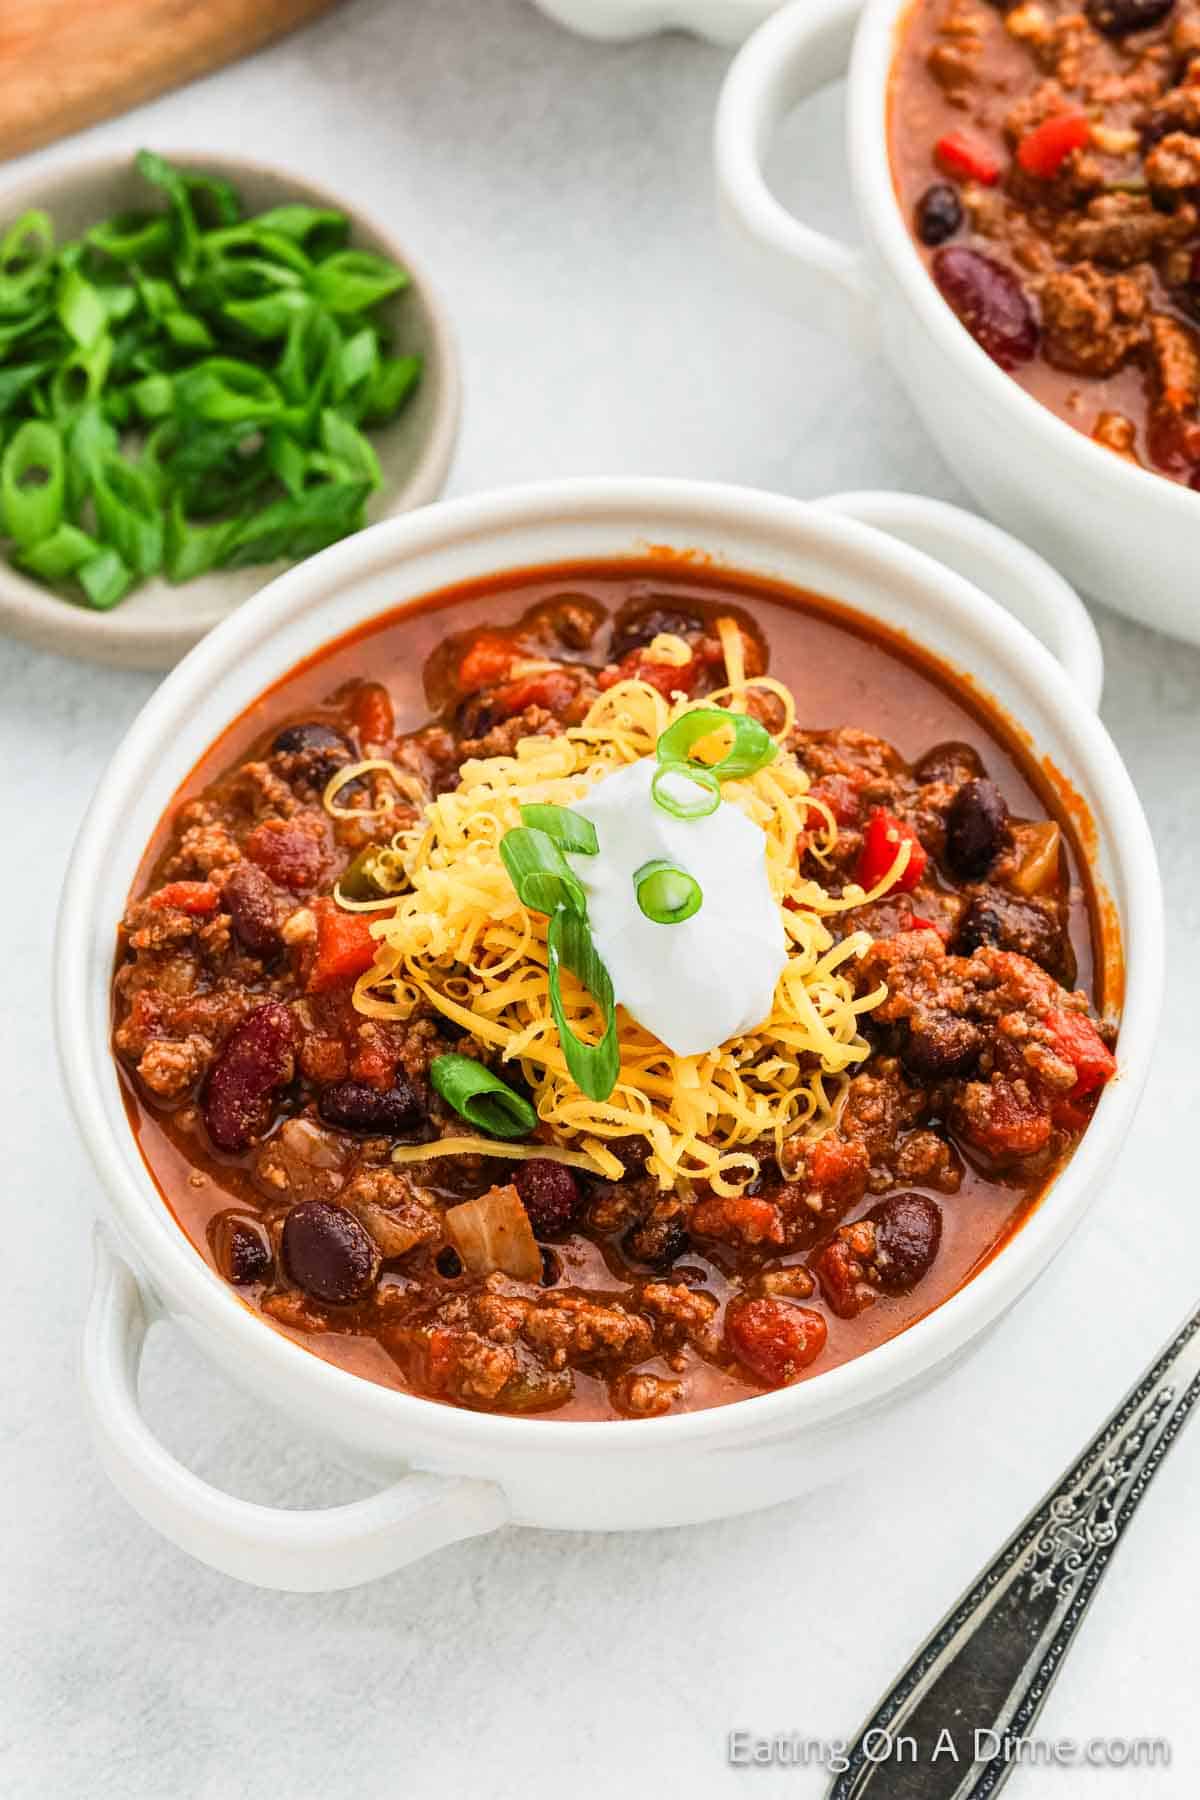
989 1665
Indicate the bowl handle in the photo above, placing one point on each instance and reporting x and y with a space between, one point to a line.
1012 574
274 1547
801 49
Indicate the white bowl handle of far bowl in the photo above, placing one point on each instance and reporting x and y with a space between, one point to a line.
803 48
273 1547
1013 575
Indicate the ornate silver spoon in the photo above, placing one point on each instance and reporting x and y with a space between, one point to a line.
989 1665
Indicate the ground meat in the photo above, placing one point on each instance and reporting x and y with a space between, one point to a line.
1175 358
571 1328
201 848
1120 230
170 1067
680 1313
301 1161
502 739
742 1219
1091 322
641 1396
1174 163
928 1160
395 1215
1117 433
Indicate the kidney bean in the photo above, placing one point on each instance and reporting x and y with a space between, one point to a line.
773 1338
286 852
939 214
994 917
940 1045
976 827
355 1106
240 1247
549 1193
328 1253
656 1242
250 900
908 1232
257 1059
990 301
1117 17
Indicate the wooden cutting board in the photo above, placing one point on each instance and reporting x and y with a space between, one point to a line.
66 63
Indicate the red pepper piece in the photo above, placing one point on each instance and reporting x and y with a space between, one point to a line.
371 710
914 922
668 678
881 843
956 155
1044 150
487 660
1079 1043
199 898
345 948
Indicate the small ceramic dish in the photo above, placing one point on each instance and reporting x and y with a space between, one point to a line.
444 1472
724 21
1121 533
158 622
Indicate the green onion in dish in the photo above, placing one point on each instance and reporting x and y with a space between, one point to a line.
189 389
665 893
704 798
752 747
538 870
568 829
481 1097
593 1067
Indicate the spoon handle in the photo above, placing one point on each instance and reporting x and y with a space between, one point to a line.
946 1729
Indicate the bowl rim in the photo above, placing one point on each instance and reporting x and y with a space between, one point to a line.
36 614
877 39
645 507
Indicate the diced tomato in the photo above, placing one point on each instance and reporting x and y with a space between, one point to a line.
842 795
881 844
774 1339
668 678
371 710
838 1169
553 688
914 922
1043 151
345 948
487 660
1079 1043
286 852
965 160
375 1064
199 898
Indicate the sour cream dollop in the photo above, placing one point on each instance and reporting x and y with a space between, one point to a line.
696 984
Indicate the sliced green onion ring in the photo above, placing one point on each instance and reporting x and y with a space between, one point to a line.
707 799
481 1097
593 1067
752 747
569 830
666 893
33 478
539 873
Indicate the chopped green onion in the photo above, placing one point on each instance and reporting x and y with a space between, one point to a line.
105 580
481 1097
593 1067
55 557
752 747
704 783
32 482
666 893
569 830
539 873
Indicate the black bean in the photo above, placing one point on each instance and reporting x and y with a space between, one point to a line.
952 763
318 750
240 1247
976 828
633 629
328 1253
990 301
1117 17
908 1231
656 1242
939 214
549 1193
356 1106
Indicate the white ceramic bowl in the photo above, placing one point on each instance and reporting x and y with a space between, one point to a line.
1121 533
453 1473
158 622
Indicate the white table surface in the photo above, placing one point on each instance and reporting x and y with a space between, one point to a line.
561 192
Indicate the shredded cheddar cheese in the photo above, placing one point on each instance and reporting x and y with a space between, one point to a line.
458 940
